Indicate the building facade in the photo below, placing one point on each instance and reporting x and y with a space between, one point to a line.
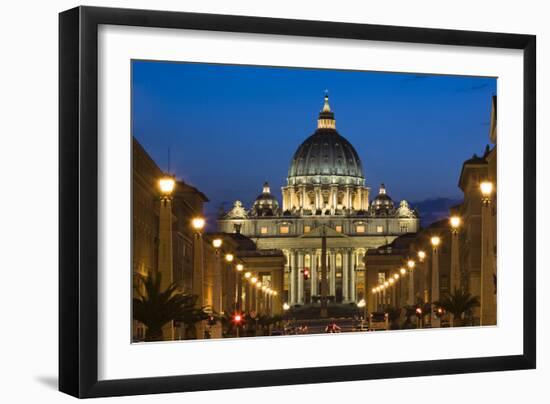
325 193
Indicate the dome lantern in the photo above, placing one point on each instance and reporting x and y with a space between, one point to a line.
326 116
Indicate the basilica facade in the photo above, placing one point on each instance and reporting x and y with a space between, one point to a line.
326 195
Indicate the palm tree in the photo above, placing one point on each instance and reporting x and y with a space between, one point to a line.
458 303
155 307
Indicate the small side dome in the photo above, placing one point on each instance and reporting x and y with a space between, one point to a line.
382 205
265 204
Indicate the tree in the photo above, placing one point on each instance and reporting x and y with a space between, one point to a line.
394 314
458 304
155 307
410 312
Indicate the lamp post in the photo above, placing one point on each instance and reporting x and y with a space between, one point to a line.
239 267
455 222
435 241
398 290
488 297
410 265
246 305
197 224
218 286
229 257
165 251
424 274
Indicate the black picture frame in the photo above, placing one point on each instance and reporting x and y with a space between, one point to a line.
78 201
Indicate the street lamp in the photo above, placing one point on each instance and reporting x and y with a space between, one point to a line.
167 185
165 248
217 243
253 280
487 306
229 257
402 270
486 188
421 256
435 240
198 223
247 275
239 267
411 264
455 223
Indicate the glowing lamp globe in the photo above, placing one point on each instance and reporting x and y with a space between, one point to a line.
486 188
455 222
167 185
198 223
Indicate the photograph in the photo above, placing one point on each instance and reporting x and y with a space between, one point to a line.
272 201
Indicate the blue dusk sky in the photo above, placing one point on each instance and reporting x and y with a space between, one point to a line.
229 128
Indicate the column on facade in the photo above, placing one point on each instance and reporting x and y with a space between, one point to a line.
332 197
353 286
345 277
357 202
314 277
300 289
332 287
317 192
292 276
303 194
348 197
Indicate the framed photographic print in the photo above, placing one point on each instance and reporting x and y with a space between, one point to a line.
251 201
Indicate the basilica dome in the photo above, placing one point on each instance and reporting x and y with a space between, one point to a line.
326 156
266 203
382 204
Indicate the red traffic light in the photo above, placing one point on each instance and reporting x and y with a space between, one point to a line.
306 273
237 318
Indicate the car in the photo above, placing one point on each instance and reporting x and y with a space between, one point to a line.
378 321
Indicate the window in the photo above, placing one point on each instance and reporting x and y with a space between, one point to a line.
284 229
263 230
404 228
380 229
339 229
381 277
360 228
307 229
